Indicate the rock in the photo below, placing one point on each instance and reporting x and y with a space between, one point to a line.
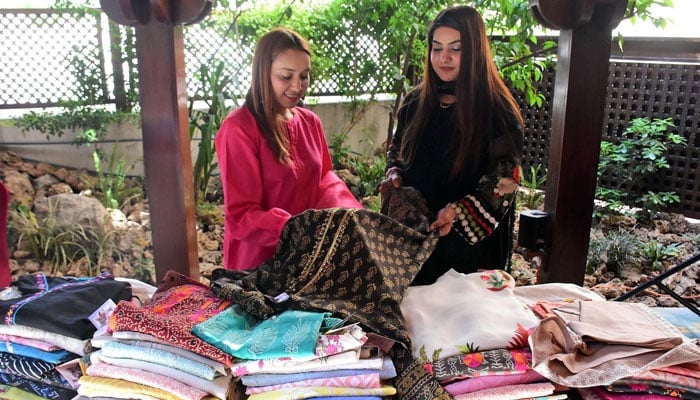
69 209
45 169
42 183
20 187
119 220
667 301
80 180
58 188
31 266
662 226
20 254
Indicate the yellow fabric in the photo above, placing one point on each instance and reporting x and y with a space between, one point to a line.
13 393
92 386
298 393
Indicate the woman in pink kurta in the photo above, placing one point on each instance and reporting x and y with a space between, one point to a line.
273 155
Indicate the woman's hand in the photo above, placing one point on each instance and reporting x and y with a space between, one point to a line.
444 220
393 176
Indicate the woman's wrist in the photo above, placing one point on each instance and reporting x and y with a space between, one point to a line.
393 171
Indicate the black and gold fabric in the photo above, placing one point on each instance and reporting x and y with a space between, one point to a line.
355 263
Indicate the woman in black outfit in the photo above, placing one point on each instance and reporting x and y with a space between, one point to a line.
459 141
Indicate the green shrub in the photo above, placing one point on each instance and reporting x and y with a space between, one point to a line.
371 171
532 196
613 249
633 163
656 253
111 175
60 245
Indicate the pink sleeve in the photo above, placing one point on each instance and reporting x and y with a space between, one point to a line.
5 275
333 191
237 149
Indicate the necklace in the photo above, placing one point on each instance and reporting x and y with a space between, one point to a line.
445 105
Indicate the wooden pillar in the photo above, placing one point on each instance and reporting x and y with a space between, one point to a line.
578 106
164 118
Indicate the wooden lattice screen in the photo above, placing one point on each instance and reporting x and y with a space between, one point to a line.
639 89
41 52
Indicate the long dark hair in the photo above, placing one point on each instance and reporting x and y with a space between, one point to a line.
260 98
484 102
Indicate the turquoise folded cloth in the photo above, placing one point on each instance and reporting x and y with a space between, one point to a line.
292 333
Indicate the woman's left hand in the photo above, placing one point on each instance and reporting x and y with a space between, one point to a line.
444 220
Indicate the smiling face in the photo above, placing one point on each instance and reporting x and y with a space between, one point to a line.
445 53
289 75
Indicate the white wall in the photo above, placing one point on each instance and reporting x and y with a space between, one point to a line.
369 134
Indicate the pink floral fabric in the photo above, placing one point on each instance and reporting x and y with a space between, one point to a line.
510 392
363 381
483 363
176 306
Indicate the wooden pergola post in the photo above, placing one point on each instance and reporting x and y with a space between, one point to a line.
578 106
165 123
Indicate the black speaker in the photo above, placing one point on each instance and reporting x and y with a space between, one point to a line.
531 229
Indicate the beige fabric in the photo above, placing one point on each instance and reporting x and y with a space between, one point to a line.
554 292
476 309
591 343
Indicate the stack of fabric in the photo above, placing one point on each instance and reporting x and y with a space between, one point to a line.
614 350
674 382
471 331
151 351
47 325
299 354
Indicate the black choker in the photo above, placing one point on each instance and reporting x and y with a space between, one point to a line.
446 87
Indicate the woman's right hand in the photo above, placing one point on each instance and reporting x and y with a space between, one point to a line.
393 176
444 220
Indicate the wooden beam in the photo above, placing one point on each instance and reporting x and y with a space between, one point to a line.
578 104
165 125
166 148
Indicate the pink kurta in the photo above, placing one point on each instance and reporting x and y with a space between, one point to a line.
261 194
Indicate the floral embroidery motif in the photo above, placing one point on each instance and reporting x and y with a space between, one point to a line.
497 280
507 185
484 363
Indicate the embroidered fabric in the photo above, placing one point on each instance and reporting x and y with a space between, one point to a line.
178 304
94 386
61 305
355 263
406 205
263 379
470 385
177 388
121 350
496 362
436 314
321 391
598 393
510 392
42 389
346 360
28 367
291 333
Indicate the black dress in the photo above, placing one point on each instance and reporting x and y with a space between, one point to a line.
483 237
